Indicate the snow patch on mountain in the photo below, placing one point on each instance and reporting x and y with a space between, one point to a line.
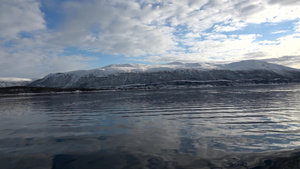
136 68
115 69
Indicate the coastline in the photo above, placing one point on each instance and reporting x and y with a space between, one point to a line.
28 90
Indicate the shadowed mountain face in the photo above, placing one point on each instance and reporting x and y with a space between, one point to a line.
172 74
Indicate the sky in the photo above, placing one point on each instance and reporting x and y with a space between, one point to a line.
38 37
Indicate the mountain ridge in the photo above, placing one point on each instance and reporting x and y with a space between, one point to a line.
174 74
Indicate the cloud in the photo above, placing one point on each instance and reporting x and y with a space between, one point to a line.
99 27
37 63
141 30
150 27
158 27
297 27
279 32
226 48
223 48
232 27
255 55
214 48
26 47
292 61
17 16
248 8
285 2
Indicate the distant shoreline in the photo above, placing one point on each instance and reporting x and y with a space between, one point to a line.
42 90
28 90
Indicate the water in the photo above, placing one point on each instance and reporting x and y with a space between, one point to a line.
228 127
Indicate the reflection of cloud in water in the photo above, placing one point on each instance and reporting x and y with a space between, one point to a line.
169 124
122 159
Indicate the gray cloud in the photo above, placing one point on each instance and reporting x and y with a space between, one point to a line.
215 3
292 61
285 2
37 64
254 55
251 9
197 4
17 16
248 8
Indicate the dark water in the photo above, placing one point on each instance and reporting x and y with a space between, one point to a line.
228 127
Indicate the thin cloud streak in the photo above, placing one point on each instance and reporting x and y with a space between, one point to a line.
278 32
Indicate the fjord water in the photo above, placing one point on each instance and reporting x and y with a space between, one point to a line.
176 128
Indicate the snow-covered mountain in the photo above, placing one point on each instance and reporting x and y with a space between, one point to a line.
257 65
175 73
13 81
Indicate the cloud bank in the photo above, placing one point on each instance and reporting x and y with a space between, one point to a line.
36 35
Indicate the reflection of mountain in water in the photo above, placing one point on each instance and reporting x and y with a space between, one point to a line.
128 160
186 128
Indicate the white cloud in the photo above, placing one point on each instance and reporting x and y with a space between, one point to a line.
287 46
17 16
33 64
194 30
234 48
260 11
279 32
285 2
227 48
232 27
153 27
143 28
99 27
297 27
35 55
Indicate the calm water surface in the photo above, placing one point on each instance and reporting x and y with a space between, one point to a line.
227 127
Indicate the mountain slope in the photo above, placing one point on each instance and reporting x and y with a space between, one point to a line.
257 65
13 81
176 73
